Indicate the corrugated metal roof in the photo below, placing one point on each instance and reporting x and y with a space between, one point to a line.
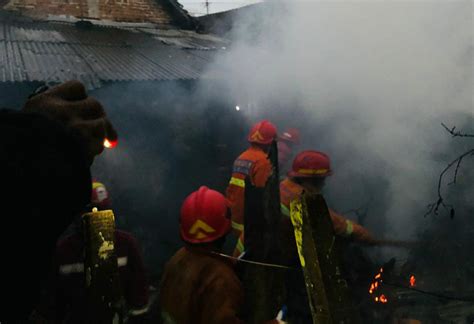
55 52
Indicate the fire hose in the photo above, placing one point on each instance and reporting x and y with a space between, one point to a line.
393 243
434 294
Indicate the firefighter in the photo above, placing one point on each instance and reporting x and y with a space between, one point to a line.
309 172
67 302
254 165
287 142
39 153
199 286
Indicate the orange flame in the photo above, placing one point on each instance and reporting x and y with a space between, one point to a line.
381 299
412 281
110 144
376 284
372 288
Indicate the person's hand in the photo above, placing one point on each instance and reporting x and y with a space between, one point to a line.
69 104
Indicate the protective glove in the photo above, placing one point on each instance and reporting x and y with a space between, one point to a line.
69 104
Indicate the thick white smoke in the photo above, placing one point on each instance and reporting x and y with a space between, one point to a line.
374 79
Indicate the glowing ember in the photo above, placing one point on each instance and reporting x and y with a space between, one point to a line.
110 144
371 289
412 281
376 284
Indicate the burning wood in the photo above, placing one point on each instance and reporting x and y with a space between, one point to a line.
382 299
412 281
375 285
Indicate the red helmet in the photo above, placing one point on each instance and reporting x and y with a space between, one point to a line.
291 135
204 216
311 164
100 196
263 132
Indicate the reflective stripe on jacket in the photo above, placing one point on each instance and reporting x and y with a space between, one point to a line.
239 247
66 293
254 164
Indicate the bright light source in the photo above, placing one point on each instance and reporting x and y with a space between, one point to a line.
110 144
237 108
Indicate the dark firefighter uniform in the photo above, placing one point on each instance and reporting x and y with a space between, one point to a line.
68 299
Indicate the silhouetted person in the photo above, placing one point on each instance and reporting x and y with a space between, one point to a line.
66 300
47 145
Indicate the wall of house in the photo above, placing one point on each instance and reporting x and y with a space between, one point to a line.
116 10
133 10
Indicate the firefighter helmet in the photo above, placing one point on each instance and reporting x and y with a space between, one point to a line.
263 132
204 216
308 164
100 196
291 135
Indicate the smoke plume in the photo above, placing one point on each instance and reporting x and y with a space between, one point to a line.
368 82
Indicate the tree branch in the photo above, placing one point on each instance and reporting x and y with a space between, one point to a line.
455 133
434 207
456 172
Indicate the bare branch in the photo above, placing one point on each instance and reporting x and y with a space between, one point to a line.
455 133
434 207
456 172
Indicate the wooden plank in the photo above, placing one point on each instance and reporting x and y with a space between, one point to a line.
321 258
104 293
263 285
